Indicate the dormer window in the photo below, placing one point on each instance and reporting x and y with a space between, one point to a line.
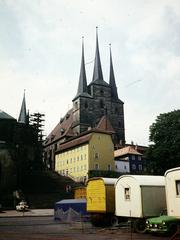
62 130
67 115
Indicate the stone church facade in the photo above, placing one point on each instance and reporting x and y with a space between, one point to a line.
95 105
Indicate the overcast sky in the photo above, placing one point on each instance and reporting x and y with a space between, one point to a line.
40 51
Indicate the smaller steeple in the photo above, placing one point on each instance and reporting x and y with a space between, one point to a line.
112 82
82 86
23 116
97 74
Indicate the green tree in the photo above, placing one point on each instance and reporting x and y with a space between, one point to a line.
164 152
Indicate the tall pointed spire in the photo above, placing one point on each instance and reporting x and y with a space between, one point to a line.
97 74
22 116
112 82
82 87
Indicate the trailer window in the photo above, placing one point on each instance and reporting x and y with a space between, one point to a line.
127 193
178 188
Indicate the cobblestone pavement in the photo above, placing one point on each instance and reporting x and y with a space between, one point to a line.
45 228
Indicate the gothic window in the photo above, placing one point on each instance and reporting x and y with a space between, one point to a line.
102 92
86 104
101 104
116 110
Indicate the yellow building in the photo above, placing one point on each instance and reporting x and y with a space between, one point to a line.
91 150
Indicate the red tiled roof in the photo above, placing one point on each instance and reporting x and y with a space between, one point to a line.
105 124
125 151
80 139
75 142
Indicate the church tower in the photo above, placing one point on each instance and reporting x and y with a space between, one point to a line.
98 99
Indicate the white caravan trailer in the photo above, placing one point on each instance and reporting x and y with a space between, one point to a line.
172 178
138 197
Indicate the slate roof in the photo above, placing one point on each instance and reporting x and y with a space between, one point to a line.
4 115
125 151
62 129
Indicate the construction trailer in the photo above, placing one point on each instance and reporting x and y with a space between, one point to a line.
100 197
169 223
138 197
172 178
71 210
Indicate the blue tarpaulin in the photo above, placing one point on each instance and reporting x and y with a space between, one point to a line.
70 210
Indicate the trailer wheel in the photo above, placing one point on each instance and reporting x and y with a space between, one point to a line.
173 229
114 221
139 225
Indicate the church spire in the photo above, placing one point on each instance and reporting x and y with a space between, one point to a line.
22 116
112 82
97 74
82 87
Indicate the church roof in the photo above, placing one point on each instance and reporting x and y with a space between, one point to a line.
105 124
4 115
125 151
97 74
62 129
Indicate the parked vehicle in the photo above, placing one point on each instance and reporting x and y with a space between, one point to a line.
22 206
138 197
168 223
100 196
111 200
163 224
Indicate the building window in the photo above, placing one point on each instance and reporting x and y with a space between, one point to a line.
133 157
81 157
178 188
139 158
134 166
96 166
96 156
127 193
109 167
84 167
140 167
